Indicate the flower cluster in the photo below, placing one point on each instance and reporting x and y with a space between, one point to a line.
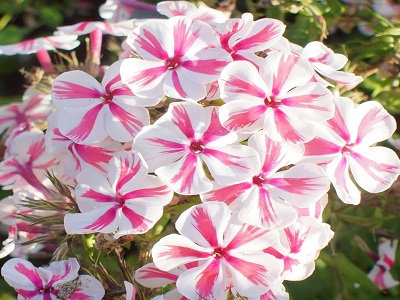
225 116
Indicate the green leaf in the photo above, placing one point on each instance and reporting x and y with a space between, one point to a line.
362 221
391 31
50 16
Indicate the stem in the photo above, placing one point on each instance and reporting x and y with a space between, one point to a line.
45 60
122 265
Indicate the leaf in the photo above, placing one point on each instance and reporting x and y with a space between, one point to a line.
391 31
362 221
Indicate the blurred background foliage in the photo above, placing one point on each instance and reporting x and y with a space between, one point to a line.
345 27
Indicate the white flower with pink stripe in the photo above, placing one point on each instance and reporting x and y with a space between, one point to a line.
175 59
126 200
92 111
278 97
185 138
228 251
269 196
344 142
51 282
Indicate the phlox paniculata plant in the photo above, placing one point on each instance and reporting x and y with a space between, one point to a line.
198 165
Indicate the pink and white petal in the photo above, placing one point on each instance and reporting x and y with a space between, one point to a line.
130 291
152 191
215 135
104 219
189 36
93 191
175 250
242 116
210 15
242 237
21 275
176 8
323 148
297 269
205 223
61 271
152 277
241 80
315 210
89 289
374 169
281 125
375 123
152 40
382 278
137 217
312 101
171 295
178 85
209 281
75 89
317 52
263 34
84 125
160 146
264 209
145 78
185 176
123 122
186 119
231 195
126 171
231 164
340 77
276 292
288 71
301 185
274 155
205 66
338 172
252 274
342 125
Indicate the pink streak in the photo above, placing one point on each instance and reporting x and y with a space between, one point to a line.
246 234
127 171
150 273
285 128
45 60
147 193
265 35
85 127
99 197
182 120
96 38
339 126
180 252
305 101
207 278
104 220
214 130
204 66
144 77
171 147
65 90
184 37
319 146
372 118
245 118
225 158
229 194
298 186
138 222
177 84
285 67
128 121
151 44
30 274
240 86
186 174
205 226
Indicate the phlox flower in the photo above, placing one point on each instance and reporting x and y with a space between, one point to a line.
126 199
184 8
74 157
276 292
327 63
59 280
343 145
188 135
229 253
176 59
40 46
33 110
299 245
380 273
26 161
242 38
269 196
278 97
90 111
121 10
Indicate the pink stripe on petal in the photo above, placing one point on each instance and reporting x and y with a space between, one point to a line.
127 171
179 252
94 156
207 279
225 158
170 147
205 226
30 274
64 90
127 119
228 194
246 234
85 127
267 214
214 130
143 77
319 146
99 197
369 121
295 239
305 101
285 66
339 126
28 294
388 261
182 120
245 118
186 174
296 185
285 127
149 43
139 223
184 37
150 273
104 220
177 84
147 193
205 66
256 273
238 85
